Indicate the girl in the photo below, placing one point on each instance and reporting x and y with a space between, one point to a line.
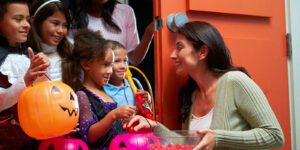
16 71
118 87
219 100
50 25
115 21
99 116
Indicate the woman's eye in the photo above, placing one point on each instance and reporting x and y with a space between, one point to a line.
178 48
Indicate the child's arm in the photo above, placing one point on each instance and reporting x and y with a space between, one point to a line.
9 96
86 116
90 128
38 65
100 128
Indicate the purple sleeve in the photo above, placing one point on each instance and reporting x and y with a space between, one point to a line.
86 115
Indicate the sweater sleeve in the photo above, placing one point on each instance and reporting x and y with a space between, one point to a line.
253 106
9 96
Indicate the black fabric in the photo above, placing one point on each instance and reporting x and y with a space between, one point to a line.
5 49
4 81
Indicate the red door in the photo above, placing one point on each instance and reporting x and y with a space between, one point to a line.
255 34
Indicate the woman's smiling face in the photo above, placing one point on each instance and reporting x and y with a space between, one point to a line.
184 55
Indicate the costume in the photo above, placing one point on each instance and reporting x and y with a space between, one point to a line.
123 94
13 66
242 117
123 15
93 109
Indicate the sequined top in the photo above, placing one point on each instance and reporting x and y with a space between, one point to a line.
93 109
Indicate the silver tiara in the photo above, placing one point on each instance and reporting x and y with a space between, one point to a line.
50 1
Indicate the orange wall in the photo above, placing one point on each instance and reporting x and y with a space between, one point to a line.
256 39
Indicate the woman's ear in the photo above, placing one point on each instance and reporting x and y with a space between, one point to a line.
203 53
85 64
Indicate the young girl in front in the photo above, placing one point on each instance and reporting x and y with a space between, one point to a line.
17 70
100 118
50 23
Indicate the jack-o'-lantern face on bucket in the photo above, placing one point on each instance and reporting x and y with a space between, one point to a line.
65 99
48 109
63 144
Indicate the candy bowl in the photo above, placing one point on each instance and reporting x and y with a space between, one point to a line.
175 140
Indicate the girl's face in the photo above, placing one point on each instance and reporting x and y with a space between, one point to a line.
14 25
120 64
99 70
186 59
54 29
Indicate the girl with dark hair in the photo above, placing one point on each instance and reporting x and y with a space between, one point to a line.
50 25
115 21
17 71
220 101
100 118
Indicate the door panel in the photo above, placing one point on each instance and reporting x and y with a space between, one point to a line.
253 8
254 31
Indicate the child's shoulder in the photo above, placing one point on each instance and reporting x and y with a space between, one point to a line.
14 66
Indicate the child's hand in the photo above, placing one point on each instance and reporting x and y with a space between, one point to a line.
139 123
38 65
124 112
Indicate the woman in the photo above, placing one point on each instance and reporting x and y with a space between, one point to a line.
226 107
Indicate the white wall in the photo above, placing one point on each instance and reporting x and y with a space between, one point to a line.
293 27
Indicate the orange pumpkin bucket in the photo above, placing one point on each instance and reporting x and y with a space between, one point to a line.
48 109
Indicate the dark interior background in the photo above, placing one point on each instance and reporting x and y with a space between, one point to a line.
144 15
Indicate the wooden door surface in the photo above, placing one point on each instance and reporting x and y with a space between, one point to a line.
254 31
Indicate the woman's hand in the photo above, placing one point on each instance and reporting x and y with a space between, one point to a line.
208 140
140 122
124 112
38 65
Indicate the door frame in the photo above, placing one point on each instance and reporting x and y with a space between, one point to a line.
292 28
